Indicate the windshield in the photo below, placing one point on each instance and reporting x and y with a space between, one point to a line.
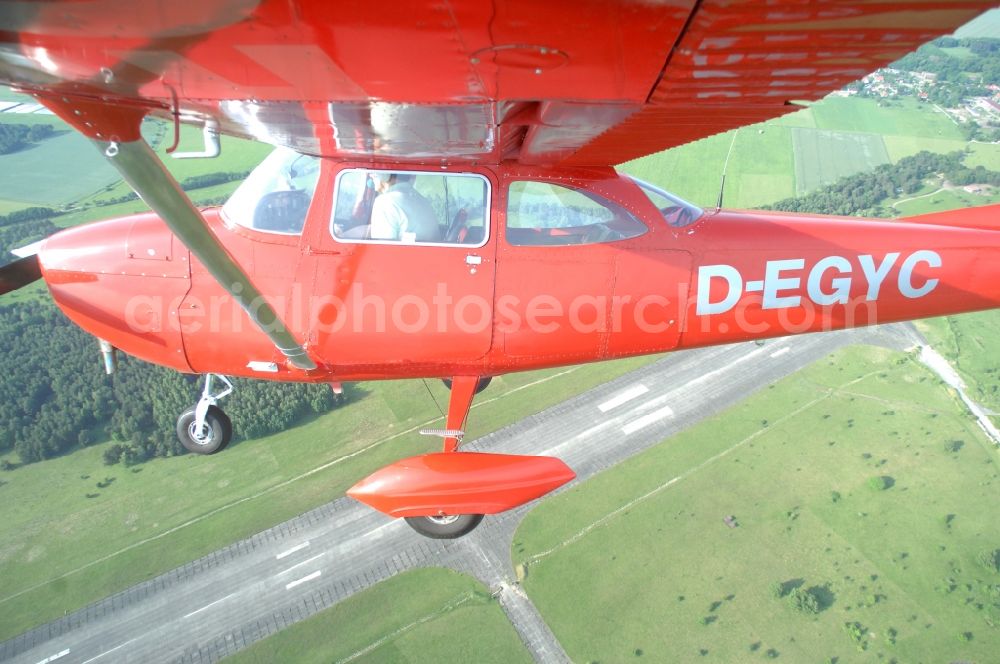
276 195
676 211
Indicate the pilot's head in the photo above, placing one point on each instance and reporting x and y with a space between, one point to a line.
383 180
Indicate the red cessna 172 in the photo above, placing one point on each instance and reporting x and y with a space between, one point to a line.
443 203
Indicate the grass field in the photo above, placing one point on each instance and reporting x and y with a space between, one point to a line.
944 200
67 168
986 26
905 117
760 167
796 153
664 579
972 345
165 512
436 616
822 157
904 146
986 155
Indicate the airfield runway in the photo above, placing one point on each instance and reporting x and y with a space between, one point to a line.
214 606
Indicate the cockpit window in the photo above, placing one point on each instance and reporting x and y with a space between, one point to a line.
411 207
544 213
276 195
676 211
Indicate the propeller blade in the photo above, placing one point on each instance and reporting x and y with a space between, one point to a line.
20 273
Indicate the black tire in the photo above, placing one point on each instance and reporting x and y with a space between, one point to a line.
220 431
444 527
484 382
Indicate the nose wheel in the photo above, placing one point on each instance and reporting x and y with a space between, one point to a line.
205 428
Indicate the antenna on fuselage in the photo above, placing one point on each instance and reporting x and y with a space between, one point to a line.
725 167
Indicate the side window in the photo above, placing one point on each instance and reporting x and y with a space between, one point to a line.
411 208
544 213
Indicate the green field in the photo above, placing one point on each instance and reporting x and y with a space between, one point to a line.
60 549
822 157
904 117
986 155
760 167
904 146
972 345
795 154
944 200
436 616
68 169
665 579
986 26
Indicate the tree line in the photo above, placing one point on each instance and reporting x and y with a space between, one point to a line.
54 395
16 136
864 193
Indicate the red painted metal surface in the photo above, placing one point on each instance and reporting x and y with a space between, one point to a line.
514 91
730 276
451 483
574 81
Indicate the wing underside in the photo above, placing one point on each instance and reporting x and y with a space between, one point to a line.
583 82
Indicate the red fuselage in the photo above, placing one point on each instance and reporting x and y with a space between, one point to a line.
369 310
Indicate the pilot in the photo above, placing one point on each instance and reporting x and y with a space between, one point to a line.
400 212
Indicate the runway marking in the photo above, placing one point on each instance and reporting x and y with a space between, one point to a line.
624 397
275 487
304 562
54 657
303 580
209 605
297 547
108 652
781 351
707 462
646 420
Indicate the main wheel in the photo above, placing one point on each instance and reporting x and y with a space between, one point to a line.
444 527
214 437
481 385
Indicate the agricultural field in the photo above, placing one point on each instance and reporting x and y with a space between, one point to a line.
760 167
858 482
98 529
939 201
437 616
822 157
67 169
799 152
986 26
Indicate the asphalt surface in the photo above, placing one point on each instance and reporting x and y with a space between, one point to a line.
219 604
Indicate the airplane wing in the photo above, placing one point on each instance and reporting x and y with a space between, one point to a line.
582 82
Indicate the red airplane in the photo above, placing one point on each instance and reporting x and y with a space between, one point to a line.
443 204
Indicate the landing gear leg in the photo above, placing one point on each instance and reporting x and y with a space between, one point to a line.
463 391
204 428
452 526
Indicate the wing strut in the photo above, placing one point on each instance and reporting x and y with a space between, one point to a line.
114 129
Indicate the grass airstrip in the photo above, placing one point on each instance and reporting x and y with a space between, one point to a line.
895 570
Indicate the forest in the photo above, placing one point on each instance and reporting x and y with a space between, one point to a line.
14 136
865 193
55 395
